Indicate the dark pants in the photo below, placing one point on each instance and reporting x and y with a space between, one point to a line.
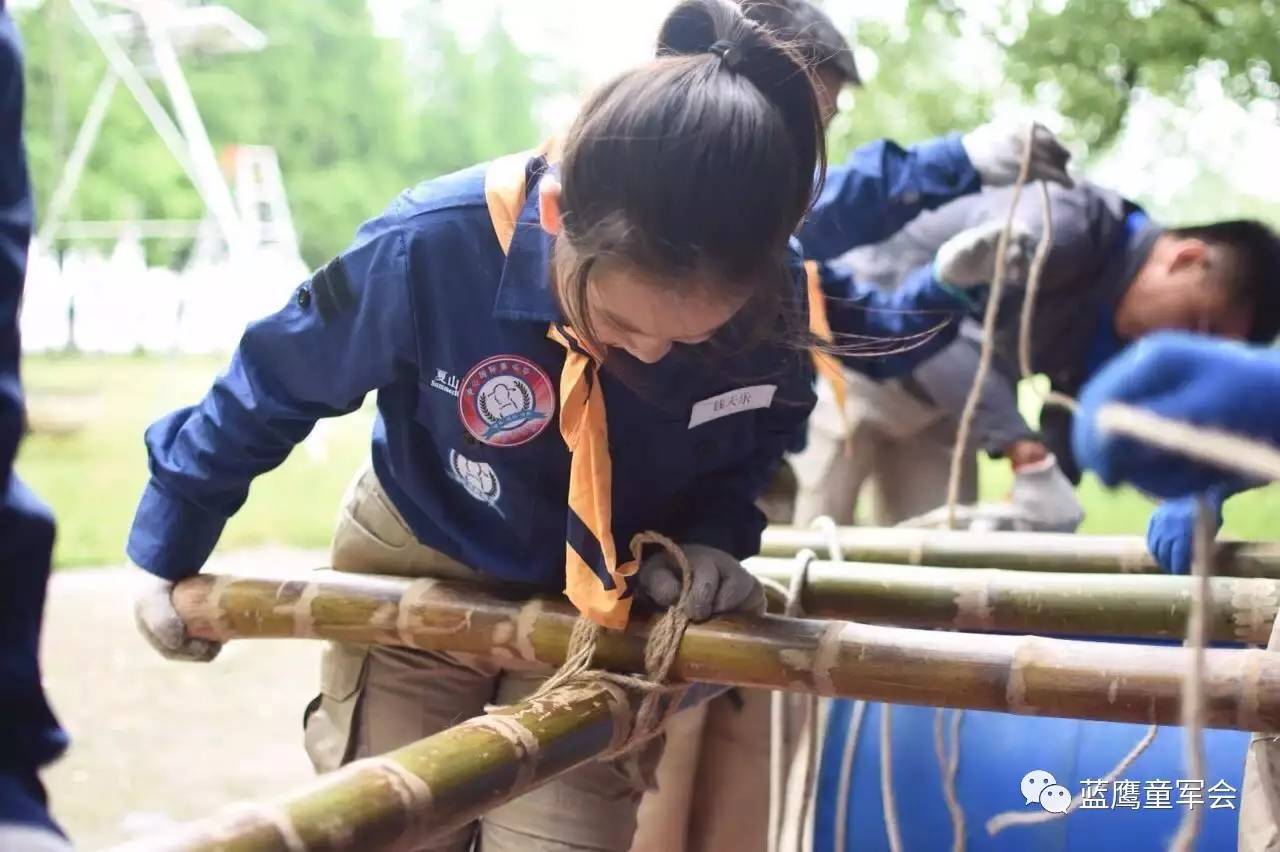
29 733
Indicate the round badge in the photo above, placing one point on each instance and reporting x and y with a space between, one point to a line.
506 400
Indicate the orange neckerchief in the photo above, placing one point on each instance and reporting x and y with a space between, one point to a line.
594 580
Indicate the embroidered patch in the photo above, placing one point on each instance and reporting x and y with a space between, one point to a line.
506 400
478 478
731 402
445 381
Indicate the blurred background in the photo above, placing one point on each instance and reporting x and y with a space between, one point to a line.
191 162
344 103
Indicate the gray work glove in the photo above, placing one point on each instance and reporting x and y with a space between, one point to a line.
968 259
720 583
161 626
995 149
1044 498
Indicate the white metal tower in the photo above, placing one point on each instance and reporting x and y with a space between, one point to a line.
142 38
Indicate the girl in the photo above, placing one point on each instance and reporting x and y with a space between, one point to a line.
547 336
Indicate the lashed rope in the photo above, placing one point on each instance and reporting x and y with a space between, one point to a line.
659 654
1193 704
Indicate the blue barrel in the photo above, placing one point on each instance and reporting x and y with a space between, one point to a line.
996 751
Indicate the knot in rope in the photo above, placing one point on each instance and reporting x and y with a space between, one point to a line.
661 649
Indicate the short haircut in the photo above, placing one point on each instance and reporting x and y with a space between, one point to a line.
808 30
1252 273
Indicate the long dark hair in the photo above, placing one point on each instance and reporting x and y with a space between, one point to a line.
695 168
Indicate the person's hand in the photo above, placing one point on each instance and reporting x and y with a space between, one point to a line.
1186 377
160 625
1044 497
968 259
720 584
996 149
1171 531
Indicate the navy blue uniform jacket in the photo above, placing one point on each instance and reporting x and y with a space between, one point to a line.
425 309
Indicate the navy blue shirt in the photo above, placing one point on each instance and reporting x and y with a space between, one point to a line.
425 309
29 734
866 199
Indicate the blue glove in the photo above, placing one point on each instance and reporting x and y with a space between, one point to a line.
1186 377
1172 529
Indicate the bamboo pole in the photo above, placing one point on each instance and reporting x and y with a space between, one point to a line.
1017 674
986 599
1013 550
435 785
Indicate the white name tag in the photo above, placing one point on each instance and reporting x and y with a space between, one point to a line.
731 402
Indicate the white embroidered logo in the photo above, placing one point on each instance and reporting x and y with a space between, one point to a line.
478 478
445 381
731 402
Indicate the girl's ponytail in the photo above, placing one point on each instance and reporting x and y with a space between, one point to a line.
778 69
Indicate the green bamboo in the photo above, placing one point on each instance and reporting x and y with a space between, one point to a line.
1113 605
1018 674
1012 550
427 788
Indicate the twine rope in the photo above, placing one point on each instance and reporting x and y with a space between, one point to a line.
660 653
783 769
1213 446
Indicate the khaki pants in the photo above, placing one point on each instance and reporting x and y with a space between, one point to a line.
713 780
374 700
886 438
1259 829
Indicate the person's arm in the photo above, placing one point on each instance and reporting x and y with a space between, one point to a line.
1185 377
880 188
1041 492
343 333
885 334
998 426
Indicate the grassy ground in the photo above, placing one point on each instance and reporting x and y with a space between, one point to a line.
86 458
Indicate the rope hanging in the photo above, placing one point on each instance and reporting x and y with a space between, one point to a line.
1193 694
791 778
659 655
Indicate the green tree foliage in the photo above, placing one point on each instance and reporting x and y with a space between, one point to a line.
1085 57
919 88
353 117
